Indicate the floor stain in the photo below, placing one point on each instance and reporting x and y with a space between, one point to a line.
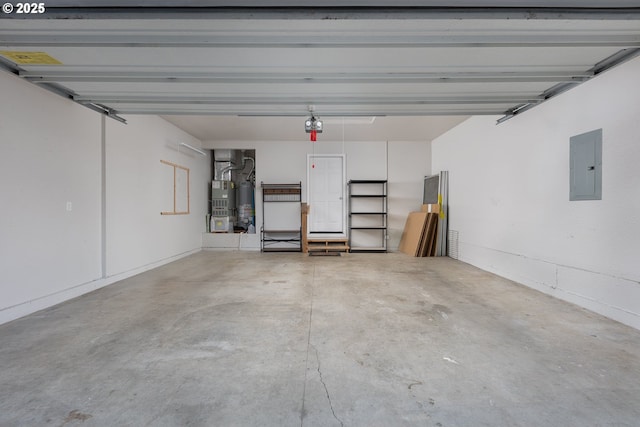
436 312
438 308
414 383
75 415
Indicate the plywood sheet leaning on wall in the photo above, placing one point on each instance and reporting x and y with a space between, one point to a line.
434 241
420 233
431 208
428 243
413 233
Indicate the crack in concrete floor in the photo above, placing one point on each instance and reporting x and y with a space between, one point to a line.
326 390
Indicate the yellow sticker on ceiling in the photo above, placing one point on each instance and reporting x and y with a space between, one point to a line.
30 58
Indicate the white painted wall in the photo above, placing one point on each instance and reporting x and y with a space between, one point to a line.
509 196
51 154
409 162
403 164
137 234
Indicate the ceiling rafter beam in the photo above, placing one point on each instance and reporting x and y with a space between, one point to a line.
335 13
283 100
614 60
307 78
295 112
62 91
303 41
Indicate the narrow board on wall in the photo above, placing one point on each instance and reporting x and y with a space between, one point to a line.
436 191
443 219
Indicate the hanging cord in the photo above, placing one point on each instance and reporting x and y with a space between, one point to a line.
313 145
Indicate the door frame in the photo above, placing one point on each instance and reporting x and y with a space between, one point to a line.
344 195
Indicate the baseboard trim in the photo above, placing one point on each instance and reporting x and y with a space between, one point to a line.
17 311
568 283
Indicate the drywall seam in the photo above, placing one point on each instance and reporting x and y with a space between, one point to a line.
103 198
386 172
551 263
556 288
614 307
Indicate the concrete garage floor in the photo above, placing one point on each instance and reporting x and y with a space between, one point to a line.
251 339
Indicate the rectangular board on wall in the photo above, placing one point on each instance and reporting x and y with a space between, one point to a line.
431 189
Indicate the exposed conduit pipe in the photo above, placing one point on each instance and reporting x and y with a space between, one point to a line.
230 169
239 168
253 166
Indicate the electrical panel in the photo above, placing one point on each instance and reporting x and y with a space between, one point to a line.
586 166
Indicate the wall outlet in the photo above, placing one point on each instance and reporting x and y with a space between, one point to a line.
69 206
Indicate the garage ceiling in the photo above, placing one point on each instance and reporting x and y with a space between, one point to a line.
283 58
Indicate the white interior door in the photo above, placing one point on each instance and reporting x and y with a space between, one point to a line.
326 194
